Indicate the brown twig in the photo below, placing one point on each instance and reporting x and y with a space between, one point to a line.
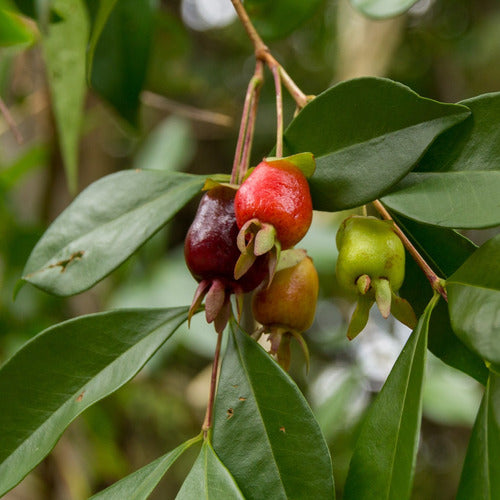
10 122
202 115
435 281
262 52
207 423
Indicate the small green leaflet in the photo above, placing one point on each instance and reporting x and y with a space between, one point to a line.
382 9
209 479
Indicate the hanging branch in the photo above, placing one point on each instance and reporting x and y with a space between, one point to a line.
435 281
262 52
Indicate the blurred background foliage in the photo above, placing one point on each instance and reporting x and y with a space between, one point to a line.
171 99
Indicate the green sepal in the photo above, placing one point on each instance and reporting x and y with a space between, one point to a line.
363 283
359 316
383 295
305 162
265 239
244 262
305 349
219 180
402 311
290 258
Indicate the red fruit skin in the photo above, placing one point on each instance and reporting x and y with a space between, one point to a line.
210 246
276 194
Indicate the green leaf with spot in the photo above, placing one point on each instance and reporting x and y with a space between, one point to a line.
64 370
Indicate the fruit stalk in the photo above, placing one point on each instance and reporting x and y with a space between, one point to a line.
207 422
279 112
435 281
247 126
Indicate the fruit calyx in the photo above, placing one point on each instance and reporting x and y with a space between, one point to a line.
286 308
371 265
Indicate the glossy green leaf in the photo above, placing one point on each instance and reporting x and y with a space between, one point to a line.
64 48
101 18
481 472
474 144
474 301
170 146
466 200
140 484
279 18
445 250
209 479
121 55
382 9
264 431
64 370
13 31
384 456
366 135
104 225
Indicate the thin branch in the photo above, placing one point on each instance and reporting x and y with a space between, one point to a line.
207 423
10 122
262 52
435 281
201 115
279 112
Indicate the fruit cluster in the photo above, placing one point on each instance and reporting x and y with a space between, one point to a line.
242 239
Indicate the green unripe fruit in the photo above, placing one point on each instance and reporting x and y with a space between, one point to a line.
369 246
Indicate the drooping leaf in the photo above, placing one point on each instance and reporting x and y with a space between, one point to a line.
13 31
264 431
64 370
279 18
474 301
104 225
366 135
140 484
474 144
445 250
382 9
64 48
101 18
481 472
384 456
464 199
209 479
121 55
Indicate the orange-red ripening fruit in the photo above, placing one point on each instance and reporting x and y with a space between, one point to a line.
290 300
276 194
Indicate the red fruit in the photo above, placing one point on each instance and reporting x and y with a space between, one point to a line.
287 307
211 253
276 194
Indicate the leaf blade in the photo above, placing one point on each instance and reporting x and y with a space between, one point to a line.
259 428
140 484
384 456
104 225
65 369
366 135
464 199
209 479
382 9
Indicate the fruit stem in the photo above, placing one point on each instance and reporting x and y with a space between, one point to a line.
207 423
435 281
279 111
262 53
247 123
10 122
245 157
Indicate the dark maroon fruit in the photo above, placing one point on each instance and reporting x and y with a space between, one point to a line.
211 253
